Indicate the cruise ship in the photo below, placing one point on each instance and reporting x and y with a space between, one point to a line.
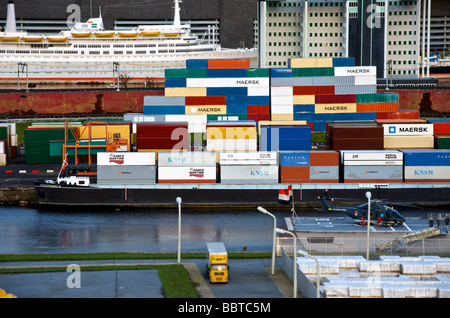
89 53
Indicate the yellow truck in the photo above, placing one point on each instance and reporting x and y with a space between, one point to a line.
217 262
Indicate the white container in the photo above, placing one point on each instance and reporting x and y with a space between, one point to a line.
193 173
282 100
231 145
408 129
349 155
282 109
282 91
355 71
2 146
249 174
250 158
427 172
366 80
258 91
3 159
186 159
126 159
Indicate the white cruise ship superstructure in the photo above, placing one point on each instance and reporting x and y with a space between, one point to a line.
89 53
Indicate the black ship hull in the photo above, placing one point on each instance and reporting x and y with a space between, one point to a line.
223 197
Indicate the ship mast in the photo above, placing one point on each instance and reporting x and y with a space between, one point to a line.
176 19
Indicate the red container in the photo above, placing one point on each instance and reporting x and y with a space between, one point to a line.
400 114
228 63
258 109
334 99
205 100
162 143
356 143
441 128
313 90
356 131
376 107
294 174
324 158
258 117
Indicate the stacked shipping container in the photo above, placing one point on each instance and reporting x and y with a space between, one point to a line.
154 137
309 167
371 166
441 130
354 137
275 138
8 142
408 135
248 167
422 165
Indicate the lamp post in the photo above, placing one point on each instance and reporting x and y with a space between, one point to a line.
178 199
261 209
304 253
368 196
295 257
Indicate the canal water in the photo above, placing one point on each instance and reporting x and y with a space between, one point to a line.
24 230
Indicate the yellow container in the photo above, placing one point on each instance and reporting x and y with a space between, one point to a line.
106 132
335 108
282 117
184 91
311 62
304 99
206 110
231 133
408 142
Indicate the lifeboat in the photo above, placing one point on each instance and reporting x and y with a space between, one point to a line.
128 34
105 34
171 35
9 38
57 38
76 34
150 33
33 38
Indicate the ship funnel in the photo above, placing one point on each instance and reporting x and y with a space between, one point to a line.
11 18
176 18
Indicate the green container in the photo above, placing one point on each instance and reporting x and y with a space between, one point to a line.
442 142
377 98
313 72
4 132
258 72
185 73
227 117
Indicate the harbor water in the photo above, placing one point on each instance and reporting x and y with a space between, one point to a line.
26 230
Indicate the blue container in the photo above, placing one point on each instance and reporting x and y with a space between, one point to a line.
284 144
435 157
281 72
355 116
258 100
294 158
282 132
164 110
319 125
343 61
200 63
226 91
237 101
304 109
232 72
175 82
237 109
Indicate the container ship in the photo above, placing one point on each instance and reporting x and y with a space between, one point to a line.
89 53
227 135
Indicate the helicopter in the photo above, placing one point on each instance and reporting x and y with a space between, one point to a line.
380 213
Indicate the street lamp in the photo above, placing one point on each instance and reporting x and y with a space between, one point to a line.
261 209
368 196
304 253
295 257
178 199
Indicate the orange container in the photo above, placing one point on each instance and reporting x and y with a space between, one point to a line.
228 63
400 114
441 128
294 174
324 158
376 107
205 100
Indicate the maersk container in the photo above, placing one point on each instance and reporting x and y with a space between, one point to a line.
355 71
408 129
294 158
126 174
431 157
249 174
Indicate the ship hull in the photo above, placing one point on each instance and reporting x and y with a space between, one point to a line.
220 196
